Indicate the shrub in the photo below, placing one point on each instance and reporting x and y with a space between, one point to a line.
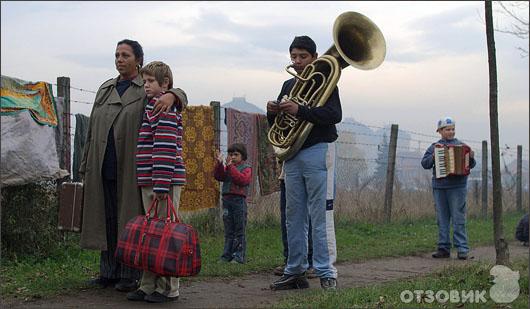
29 220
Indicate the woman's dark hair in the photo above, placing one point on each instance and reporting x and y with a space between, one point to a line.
137 49
238 147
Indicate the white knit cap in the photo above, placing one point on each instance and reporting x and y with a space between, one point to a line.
445 122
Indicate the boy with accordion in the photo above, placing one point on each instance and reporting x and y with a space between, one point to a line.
451 161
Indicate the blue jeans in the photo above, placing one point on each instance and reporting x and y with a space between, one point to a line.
309 184
283 203
235 222
451 207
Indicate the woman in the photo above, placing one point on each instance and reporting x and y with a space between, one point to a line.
111 194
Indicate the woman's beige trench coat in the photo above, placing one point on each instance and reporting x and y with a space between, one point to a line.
125 114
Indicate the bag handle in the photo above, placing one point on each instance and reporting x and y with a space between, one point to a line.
170 210
154 204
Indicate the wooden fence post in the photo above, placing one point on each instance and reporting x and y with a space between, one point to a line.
519 185
217 212
390 170
63 91
484 179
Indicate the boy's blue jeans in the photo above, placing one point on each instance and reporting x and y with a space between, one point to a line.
451 207
283 203
309 184
235 222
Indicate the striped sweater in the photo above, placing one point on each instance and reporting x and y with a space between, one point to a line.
159 160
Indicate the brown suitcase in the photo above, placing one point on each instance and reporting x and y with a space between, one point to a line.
71 206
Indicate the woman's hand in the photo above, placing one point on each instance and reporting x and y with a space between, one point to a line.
164 103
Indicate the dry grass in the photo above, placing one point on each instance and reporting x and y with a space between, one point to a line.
367 205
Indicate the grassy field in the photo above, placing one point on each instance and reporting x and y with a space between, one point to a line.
70 267
472 277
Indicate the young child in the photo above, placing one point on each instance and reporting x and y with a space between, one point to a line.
236 176
160 169
449 196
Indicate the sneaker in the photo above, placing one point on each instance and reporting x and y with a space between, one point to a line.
238 260
311 273
159 298
441 254
462 255
278 270
224 260
136 295
126 285
290 282
101 282
328 284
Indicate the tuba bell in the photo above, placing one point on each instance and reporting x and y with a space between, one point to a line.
359 43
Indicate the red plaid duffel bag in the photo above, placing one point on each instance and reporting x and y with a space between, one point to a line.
165 246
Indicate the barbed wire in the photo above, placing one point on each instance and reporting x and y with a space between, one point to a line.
76 88
468 141
82 102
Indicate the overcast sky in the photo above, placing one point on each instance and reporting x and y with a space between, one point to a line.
436 62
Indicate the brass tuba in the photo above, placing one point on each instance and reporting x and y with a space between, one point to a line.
359 43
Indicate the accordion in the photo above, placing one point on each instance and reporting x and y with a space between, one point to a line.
451 160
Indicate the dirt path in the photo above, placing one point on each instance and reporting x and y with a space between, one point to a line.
252 291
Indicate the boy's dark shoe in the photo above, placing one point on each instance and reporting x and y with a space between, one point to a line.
126 285
159 298
101 282
136 295
224 260
462 255
310 273
238 260
328 284
441 254
278 270
290 282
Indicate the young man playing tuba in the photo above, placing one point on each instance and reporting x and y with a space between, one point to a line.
309 180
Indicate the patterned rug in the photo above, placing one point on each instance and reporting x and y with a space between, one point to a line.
269 169
19 95
201 190
243 128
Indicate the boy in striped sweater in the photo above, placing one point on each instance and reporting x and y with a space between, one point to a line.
160 168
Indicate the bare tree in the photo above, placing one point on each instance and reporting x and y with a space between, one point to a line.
517 12
501 246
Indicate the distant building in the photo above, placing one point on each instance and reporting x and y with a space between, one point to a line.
241 104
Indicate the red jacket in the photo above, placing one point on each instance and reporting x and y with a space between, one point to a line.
236 178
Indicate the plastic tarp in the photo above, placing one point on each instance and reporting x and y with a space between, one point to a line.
28 133
28 151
